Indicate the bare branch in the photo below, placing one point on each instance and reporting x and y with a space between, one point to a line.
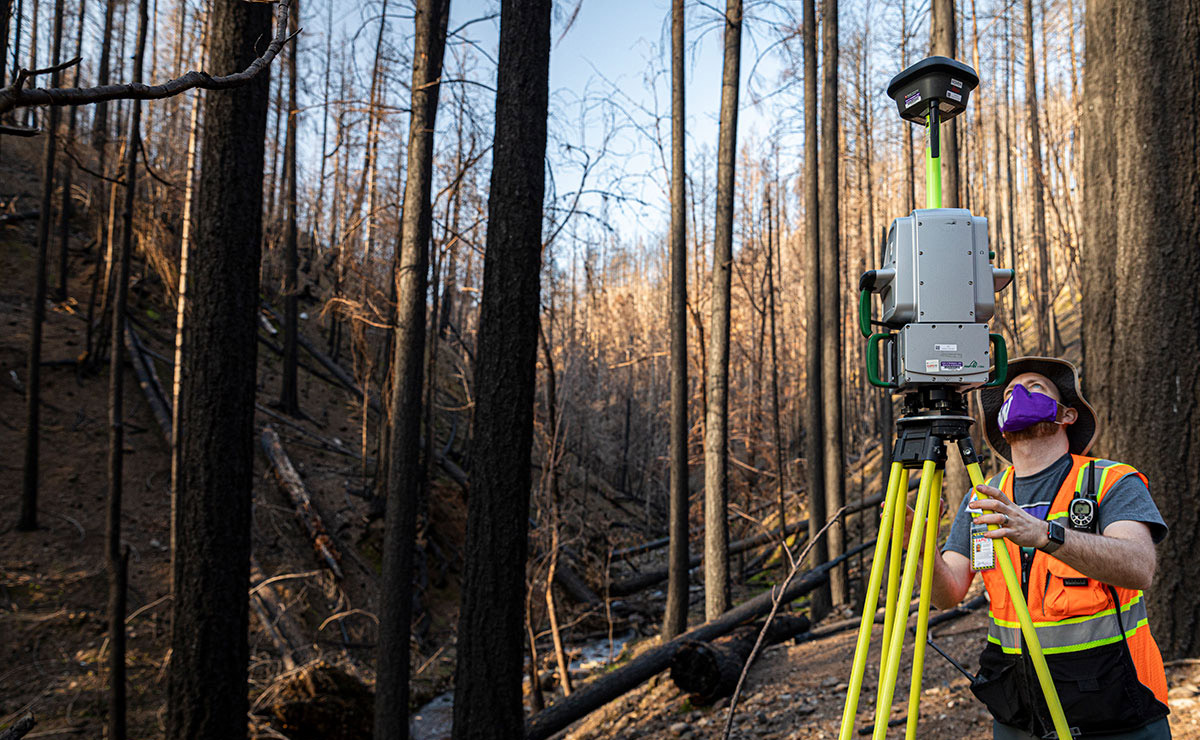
15 96
776 593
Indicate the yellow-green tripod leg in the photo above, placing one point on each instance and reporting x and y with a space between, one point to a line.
894 501
887 681
1027 629
893 579
918 665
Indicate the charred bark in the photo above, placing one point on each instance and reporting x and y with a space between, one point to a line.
487 696
207 680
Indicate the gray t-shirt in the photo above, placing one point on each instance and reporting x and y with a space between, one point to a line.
1128 500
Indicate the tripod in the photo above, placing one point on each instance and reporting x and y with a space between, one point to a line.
933 417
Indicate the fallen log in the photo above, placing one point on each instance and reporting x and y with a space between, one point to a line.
625 553
645 580
147 377
596 694
20 729
642 581
710 670
334 369
12 218
574 586
293 486
957 612
301 363
328 444
279 626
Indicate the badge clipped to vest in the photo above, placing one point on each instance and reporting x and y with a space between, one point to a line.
983 552
1083 510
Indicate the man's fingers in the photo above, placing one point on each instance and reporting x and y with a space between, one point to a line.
987 504
991 492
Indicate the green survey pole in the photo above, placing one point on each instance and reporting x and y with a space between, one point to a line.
933 158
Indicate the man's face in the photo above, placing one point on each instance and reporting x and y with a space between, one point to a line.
1038 383
1034 383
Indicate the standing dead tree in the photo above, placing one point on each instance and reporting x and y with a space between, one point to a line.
118 560
33 403
207 676
487 688
831 327
405 476
716 430
675 613
814 468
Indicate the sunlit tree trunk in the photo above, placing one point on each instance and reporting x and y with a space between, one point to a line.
814 450
831 316
675 614
1036 182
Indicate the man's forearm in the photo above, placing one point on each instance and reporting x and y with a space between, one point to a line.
950 583
1112 560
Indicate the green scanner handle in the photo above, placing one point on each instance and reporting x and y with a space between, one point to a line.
864 312
873 360
1001 361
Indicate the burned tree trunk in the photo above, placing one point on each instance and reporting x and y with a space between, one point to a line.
206 682
675 614
118 561
487 693
289 397
405 476
1146 272
33 368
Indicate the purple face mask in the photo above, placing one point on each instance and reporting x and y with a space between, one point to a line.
1024 409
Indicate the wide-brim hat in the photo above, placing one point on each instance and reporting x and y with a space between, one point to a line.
1065 377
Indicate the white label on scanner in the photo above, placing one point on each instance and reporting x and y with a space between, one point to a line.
931 366
945 347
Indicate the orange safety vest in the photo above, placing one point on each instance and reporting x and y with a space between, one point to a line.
1096 638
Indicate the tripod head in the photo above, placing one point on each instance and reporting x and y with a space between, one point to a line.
937 284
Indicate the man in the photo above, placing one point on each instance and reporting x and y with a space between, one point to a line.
1077 562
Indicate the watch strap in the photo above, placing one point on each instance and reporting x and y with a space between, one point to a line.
1055 535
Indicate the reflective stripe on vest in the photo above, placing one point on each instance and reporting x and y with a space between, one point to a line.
1074 633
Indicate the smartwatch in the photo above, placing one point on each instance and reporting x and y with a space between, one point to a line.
1056 535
